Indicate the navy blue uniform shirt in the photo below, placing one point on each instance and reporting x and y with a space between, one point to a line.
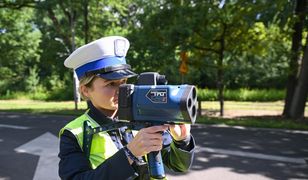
74 164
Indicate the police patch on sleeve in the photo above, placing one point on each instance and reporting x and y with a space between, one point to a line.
119 47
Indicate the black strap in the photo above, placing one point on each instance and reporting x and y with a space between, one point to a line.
108 69
87 138
89 131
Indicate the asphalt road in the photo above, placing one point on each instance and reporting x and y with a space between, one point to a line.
29 145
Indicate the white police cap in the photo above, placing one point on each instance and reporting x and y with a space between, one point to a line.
104 57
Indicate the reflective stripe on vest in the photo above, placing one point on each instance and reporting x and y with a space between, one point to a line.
102 146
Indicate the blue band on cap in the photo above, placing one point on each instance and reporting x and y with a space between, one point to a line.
99 64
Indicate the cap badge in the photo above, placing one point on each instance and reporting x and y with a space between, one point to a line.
119 47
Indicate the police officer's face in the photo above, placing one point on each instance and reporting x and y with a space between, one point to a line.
104 93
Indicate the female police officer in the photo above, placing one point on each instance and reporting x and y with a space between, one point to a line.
117 154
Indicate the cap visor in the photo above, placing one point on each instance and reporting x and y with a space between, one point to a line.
120 74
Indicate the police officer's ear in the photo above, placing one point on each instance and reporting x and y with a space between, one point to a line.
84 91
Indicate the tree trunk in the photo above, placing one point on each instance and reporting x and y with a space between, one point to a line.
220 86
301 91
86 21
220 71
295 53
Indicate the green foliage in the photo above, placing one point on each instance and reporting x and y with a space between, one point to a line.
5 79
19 42
32 81
61 94
255 95
60 89
264 62
207 95
242 94
256 37
254 53
110 17
40 95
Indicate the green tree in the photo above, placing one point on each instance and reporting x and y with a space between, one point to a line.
19 42
215 33
263 61
32 81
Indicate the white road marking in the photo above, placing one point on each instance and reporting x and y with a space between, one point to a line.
253 155
14 127
252 128
45 146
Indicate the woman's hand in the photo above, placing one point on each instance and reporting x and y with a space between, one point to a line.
180 132
147 140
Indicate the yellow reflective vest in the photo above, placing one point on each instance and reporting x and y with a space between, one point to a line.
102 146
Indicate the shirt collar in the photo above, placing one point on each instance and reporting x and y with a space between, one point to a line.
98 116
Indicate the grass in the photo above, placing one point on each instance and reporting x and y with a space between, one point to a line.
235 105
275 122
266 121
67 108
42 107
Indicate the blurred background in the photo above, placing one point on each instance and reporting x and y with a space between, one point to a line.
252 51
248 59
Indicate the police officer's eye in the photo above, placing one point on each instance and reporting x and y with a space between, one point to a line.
113 83
116 83
110 84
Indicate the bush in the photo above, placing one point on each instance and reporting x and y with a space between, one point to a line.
25 95
33 80
207 95
242 94
61 94
56 95
60 89
66 93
